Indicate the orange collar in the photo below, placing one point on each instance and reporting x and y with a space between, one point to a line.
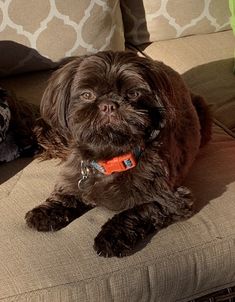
118 164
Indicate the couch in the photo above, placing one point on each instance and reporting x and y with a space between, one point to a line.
192 260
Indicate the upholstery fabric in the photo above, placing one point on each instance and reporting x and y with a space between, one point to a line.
154 20
36 34
186 53
186 260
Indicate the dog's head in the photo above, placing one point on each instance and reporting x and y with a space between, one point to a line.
107 102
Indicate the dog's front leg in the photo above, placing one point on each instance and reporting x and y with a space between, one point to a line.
121 234
63 205
56 212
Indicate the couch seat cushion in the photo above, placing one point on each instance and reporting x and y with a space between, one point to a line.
183 54
183 261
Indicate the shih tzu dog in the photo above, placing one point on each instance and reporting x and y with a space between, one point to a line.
128 130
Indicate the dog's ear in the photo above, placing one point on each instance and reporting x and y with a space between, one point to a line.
162 87
56 98
159 80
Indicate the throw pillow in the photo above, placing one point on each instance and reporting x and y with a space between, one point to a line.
34 35
153 20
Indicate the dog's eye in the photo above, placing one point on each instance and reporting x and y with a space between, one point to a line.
88 95
133 94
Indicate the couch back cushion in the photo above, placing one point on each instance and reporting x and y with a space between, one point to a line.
36 34
153 20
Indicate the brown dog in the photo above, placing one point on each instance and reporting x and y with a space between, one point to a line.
128 129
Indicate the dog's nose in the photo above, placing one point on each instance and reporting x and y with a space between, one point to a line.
108 107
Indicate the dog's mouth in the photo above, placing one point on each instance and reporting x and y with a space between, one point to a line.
109 130
111 119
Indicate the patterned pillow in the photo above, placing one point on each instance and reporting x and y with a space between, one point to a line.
36 34
153 20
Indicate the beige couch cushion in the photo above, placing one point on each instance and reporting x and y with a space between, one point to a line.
186 260
35 34
154 20
186 53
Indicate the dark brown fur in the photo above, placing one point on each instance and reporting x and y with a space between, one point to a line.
52 144
147 96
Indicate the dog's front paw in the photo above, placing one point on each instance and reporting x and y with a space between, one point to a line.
110 243
120 235
49 217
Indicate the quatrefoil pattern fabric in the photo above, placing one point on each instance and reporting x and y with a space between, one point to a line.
34 34
153 20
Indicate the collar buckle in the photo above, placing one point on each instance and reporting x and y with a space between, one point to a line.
118 164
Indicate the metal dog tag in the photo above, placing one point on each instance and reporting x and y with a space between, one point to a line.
85 173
